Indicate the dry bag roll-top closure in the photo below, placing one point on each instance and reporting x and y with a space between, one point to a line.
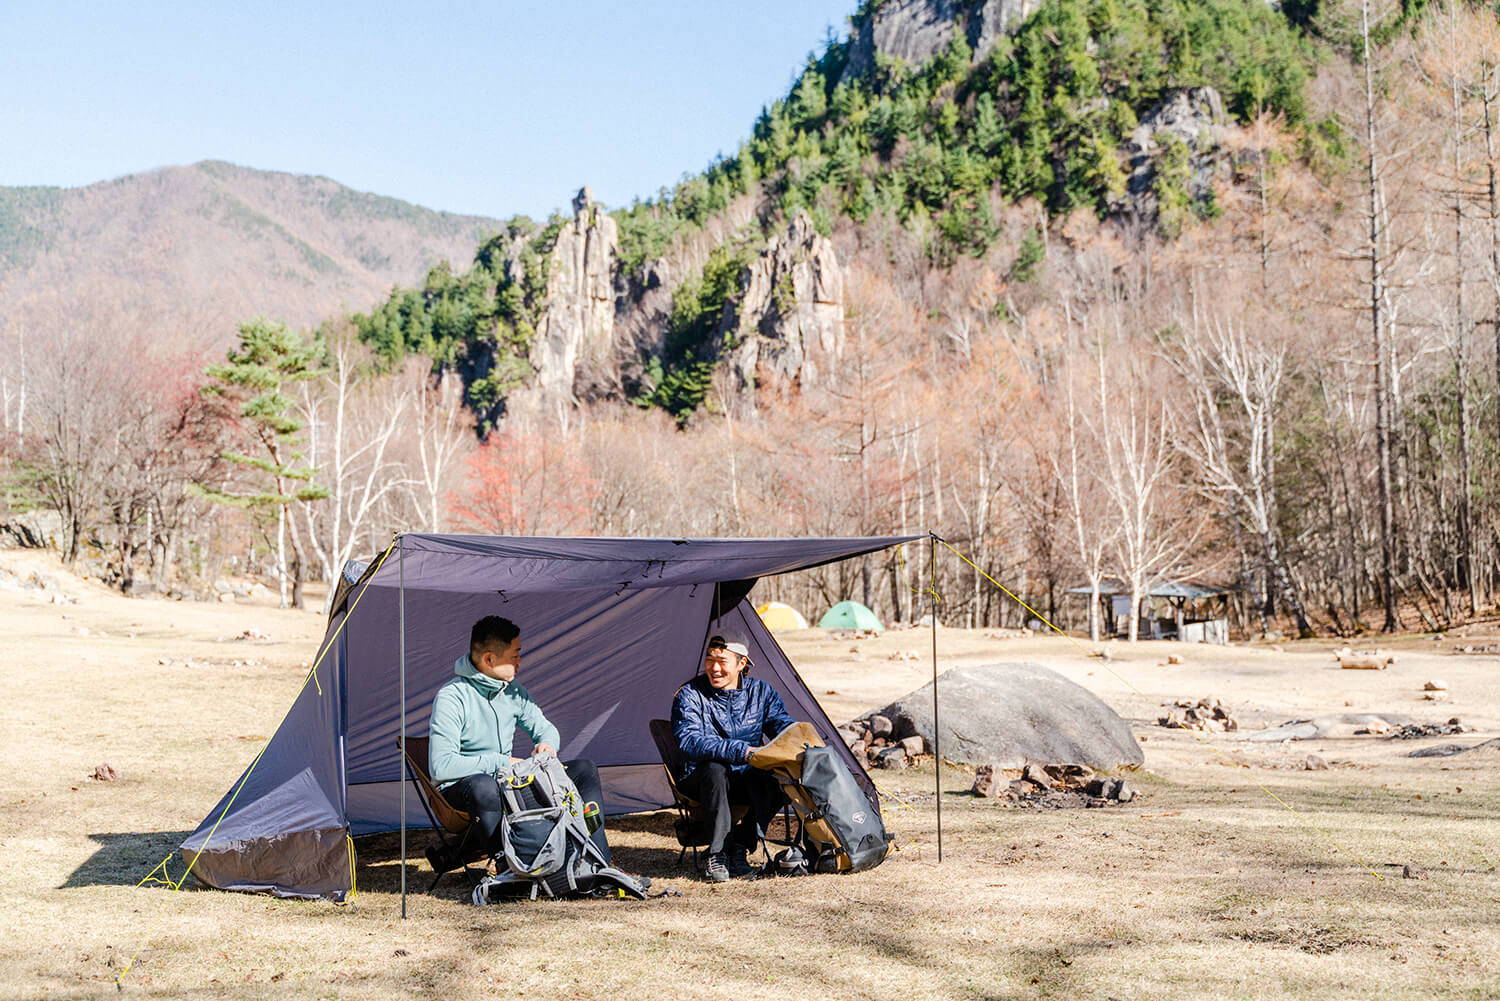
841 828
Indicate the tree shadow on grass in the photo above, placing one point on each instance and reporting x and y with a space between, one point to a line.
124 859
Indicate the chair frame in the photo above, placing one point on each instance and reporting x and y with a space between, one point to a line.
690 812
454 827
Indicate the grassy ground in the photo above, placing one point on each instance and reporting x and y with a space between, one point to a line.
1205 887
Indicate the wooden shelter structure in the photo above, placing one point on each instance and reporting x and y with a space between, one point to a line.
1185 610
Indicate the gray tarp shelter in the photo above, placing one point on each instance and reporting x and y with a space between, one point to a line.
610 629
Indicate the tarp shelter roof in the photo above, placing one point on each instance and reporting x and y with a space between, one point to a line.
1186 589
610 629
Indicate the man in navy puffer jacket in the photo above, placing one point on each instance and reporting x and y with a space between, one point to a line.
718 718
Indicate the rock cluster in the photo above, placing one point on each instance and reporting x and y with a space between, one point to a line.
1205 714
1053 786
1416 731
874 740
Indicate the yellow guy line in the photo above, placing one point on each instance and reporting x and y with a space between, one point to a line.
1126 682
312 675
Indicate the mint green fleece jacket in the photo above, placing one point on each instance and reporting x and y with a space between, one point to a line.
474 720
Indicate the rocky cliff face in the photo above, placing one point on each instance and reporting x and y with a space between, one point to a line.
914 31
785 330
1191 118
575 337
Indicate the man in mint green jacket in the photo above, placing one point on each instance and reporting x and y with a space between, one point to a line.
473 727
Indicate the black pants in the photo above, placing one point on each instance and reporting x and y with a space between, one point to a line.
720 790
479 795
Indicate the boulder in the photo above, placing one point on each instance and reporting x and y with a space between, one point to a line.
914 745
1009 715
892 757
880 725
989 781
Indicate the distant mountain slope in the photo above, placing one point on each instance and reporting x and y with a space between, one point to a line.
189 252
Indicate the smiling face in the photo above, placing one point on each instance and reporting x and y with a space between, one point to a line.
497 661
724 668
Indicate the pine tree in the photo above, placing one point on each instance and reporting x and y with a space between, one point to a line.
268 358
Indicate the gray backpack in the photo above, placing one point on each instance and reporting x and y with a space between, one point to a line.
545 844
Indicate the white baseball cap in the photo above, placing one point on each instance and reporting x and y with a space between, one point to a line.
731 641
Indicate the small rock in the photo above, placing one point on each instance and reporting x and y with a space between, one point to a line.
1068 775
227 597
1438 696
893 758
1435 686
1125 794
1411 872
1313 763
1173 658
987 781
106 772
914 746
880 725
1036 775
858 748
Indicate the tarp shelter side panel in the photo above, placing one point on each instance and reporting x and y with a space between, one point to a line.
281 829
600 664
770 663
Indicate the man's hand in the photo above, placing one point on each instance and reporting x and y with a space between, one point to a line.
543 748
749 751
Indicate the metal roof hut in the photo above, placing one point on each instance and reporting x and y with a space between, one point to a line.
1197 611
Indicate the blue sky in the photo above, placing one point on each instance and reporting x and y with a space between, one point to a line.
491 107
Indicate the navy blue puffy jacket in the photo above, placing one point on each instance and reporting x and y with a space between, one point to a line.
713 724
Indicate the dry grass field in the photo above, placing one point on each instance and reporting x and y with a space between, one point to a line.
1206 887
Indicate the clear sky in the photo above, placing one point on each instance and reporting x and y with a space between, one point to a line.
491 106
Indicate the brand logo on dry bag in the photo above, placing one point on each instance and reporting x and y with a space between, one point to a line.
858 816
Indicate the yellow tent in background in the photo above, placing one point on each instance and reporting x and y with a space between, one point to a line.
780 618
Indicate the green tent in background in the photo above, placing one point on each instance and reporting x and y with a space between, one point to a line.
850 615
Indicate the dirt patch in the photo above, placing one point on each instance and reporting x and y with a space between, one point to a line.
1316 941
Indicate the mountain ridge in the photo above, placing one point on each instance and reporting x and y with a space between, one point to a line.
211 244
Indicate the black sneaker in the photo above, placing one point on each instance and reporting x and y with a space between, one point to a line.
737 863
715 869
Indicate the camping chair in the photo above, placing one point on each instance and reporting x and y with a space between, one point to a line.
691 825
453 826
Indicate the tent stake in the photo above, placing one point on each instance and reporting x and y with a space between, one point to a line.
937 740
401 562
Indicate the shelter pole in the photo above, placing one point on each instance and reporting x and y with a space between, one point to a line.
937 740
401 601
